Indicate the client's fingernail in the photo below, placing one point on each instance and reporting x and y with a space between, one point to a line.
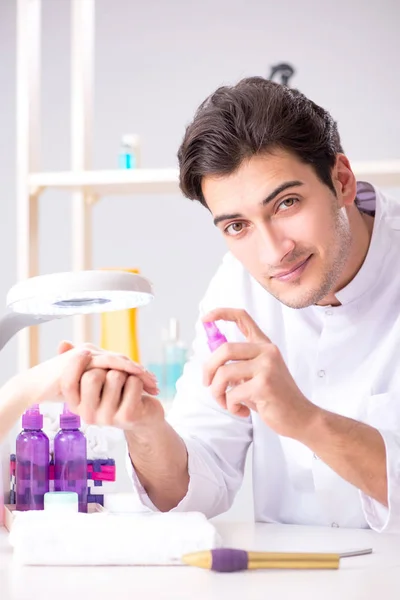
85 353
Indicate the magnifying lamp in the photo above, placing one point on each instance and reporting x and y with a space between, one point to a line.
48 297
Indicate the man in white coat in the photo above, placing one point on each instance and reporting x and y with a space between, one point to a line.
308 298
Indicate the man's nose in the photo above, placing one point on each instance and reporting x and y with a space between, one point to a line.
273 246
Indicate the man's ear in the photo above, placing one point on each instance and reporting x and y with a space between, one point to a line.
344 181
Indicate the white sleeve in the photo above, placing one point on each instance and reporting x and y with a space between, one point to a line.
216 441
379 517
383 413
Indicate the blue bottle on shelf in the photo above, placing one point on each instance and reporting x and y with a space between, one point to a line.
128 154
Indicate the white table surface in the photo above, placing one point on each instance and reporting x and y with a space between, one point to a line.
375 576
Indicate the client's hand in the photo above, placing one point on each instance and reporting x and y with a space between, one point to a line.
109 389
102 387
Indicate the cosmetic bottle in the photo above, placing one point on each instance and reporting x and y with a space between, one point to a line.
215 338
70 458
175 356
32 462
129 152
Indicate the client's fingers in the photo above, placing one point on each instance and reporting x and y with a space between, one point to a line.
92 383
111 397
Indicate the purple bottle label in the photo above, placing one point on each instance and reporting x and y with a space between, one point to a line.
71 476
31 469
70 465
32 482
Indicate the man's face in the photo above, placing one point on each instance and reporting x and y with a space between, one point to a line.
284 225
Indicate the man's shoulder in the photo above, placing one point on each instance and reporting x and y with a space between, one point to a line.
231 266
230 277
390 209
232 285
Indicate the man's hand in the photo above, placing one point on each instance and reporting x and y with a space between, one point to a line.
253 375
259 379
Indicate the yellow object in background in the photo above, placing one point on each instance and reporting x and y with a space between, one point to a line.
118 329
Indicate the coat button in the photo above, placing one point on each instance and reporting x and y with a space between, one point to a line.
334 525
321 373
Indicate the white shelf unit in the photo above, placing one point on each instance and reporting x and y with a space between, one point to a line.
107 183
384 173
165 181
86 186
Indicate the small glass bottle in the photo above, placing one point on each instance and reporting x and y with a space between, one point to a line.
175 356
156 364
129 152
70 458
32 462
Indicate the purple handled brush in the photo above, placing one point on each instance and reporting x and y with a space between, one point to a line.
227 560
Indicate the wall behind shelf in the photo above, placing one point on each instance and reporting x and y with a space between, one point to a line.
155 62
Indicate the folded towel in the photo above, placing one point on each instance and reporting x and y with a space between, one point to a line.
51 425
41 538
101 440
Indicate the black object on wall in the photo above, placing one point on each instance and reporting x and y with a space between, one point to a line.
284 71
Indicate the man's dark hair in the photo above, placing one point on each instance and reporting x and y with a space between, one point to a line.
254 117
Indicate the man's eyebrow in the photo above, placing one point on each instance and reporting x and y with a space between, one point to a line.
227 217
281 188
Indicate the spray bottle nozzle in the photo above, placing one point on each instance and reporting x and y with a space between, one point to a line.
214 337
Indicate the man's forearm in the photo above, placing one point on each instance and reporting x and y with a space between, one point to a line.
355 451
160 459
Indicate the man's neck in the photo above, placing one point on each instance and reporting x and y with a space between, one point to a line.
362 226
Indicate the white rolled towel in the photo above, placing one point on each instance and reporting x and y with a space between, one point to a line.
41 538
101 440
51 426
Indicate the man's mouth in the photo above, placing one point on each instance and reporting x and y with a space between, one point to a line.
294 272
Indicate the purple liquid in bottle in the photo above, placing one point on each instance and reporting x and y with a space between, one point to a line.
70 458
32 462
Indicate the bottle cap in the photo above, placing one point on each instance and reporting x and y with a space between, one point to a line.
69 420
32 418
130 140
173 329
61 502
214 337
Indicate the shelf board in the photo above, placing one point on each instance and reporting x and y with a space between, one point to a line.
382 173
165 181
106 183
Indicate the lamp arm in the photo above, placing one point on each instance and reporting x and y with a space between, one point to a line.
12 322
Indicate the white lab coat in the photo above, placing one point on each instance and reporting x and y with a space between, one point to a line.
345 359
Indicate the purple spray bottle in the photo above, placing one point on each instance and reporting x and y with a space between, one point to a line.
215 338
32 462
70 458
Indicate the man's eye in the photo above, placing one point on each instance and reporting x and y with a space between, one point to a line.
234 229
288 203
